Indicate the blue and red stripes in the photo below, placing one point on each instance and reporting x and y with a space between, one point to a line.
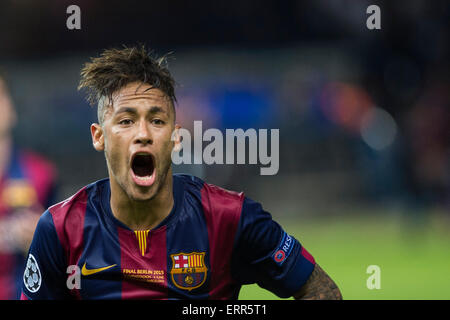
144 276
68 218
222 210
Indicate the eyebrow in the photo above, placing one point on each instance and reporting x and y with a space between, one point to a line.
132 110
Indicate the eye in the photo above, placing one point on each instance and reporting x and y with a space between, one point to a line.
125 122
158 122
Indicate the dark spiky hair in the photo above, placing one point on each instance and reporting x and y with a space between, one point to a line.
115 68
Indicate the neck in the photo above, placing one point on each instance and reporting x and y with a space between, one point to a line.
5 153
146 214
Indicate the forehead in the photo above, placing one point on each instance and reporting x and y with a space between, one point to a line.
138 94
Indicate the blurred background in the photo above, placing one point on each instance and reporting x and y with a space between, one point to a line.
364 173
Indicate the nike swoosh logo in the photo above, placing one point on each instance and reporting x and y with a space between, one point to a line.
88 272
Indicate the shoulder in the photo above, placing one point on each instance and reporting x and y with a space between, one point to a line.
78 199
221 207
211 196
71 205
68 215
192 183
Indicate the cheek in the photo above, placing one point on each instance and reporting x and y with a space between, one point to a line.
115 154
167 145
111 159
164 151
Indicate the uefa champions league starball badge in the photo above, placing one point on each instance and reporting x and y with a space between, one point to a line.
32 276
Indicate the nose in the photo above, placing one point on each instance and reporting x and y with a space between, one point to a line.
143 135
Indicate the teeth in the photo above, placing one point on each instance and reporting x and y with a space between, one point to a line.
144 178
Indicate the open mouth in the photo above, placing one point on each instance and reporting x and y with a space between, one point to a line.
143 169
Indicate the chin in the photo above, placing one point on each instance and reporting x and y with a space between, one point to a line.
142 196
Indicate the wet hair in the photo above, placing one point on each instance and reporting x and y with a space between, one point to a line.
116 68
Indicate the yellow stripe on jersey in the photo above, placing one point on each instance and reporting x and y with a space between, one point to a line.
142 240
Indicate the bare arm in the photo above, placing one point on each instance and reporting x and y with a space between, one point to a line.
319 287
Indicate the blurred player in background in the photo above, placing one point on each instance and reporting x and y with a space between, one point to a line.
146 233
26 186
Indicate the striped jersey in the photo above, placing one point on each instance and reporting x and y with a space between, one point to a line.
212 242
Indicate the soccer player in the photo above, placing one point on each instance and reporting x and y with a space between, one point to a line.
145 233
26 186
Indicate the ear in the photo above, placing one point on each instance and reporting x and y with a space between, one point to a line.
98 140
176 138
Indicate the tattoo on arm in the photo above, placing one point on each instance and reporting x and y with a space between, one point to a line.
319 287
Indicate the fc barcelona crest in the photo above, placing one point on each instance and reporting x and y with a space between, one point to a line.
188 270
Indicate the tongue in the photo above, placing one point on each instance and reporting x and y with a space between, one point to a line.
143 181
143 171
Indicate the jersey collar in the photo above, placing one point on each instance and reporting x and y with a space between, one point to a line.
178 192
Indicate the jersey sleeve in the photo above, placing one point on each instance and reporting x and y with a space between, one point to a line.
265 254
44 276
